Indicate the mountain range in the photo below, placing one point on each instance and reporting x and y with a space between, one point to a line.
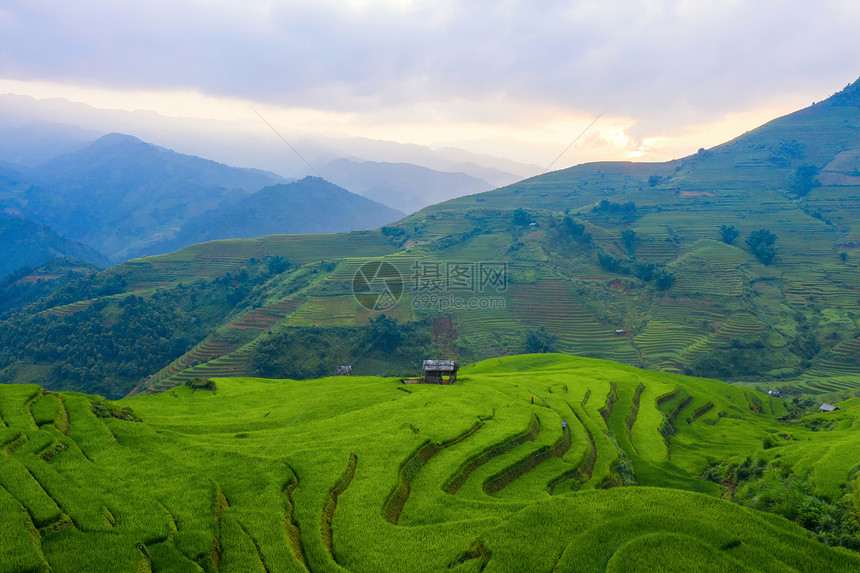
404 186
120 194
124 197
24 121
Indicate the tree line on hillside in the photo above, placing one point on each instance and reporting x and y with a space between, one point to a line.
111 345
762 243
108 347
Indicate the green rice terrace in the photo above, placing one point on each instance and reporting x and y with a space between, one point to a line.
651 471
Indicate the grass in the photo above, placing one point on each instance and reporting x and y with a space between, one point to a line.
280 475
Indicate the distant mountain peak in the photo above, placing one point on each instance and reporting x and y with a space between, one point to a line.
125 141
116 137
403 186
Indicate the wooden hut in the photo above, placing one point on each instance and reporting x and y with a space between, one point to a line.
440 371
828 407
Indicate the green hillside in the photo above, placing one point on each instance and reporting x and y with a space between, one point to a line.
652 472
738 263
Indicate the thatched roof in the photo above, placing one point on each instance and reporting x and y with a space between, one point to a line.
440 366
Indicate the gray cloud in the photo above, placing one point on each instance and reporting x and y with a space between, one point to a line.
663 63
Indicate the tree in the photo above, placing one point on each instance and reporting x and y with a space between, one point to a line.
277 264
645 270
522 218
805 179
762 245
612 263
539 341
628 237
729 233
570 228
384 333
607 206
664 279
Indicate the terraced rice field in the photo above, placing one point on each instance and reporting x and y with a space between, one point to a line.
72 308
494 330
367 474
206 350
845 276
739 324
710 270
340 280
656 248
219 358
662 342
69 309
216 258
549 304
265 317
216 359
820 292
688 311
835 373
679 329
236 363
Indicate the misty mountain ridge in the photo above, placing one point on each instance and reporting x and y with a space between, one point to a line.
220 141
404 186
497 170
126 198
26 243
120 194
310 205
37 142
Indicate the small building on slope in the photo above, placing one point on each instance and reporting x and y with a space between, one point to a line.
828 408
440 371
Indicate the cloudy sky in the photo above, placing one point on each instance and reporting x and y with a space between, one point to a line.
514 78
